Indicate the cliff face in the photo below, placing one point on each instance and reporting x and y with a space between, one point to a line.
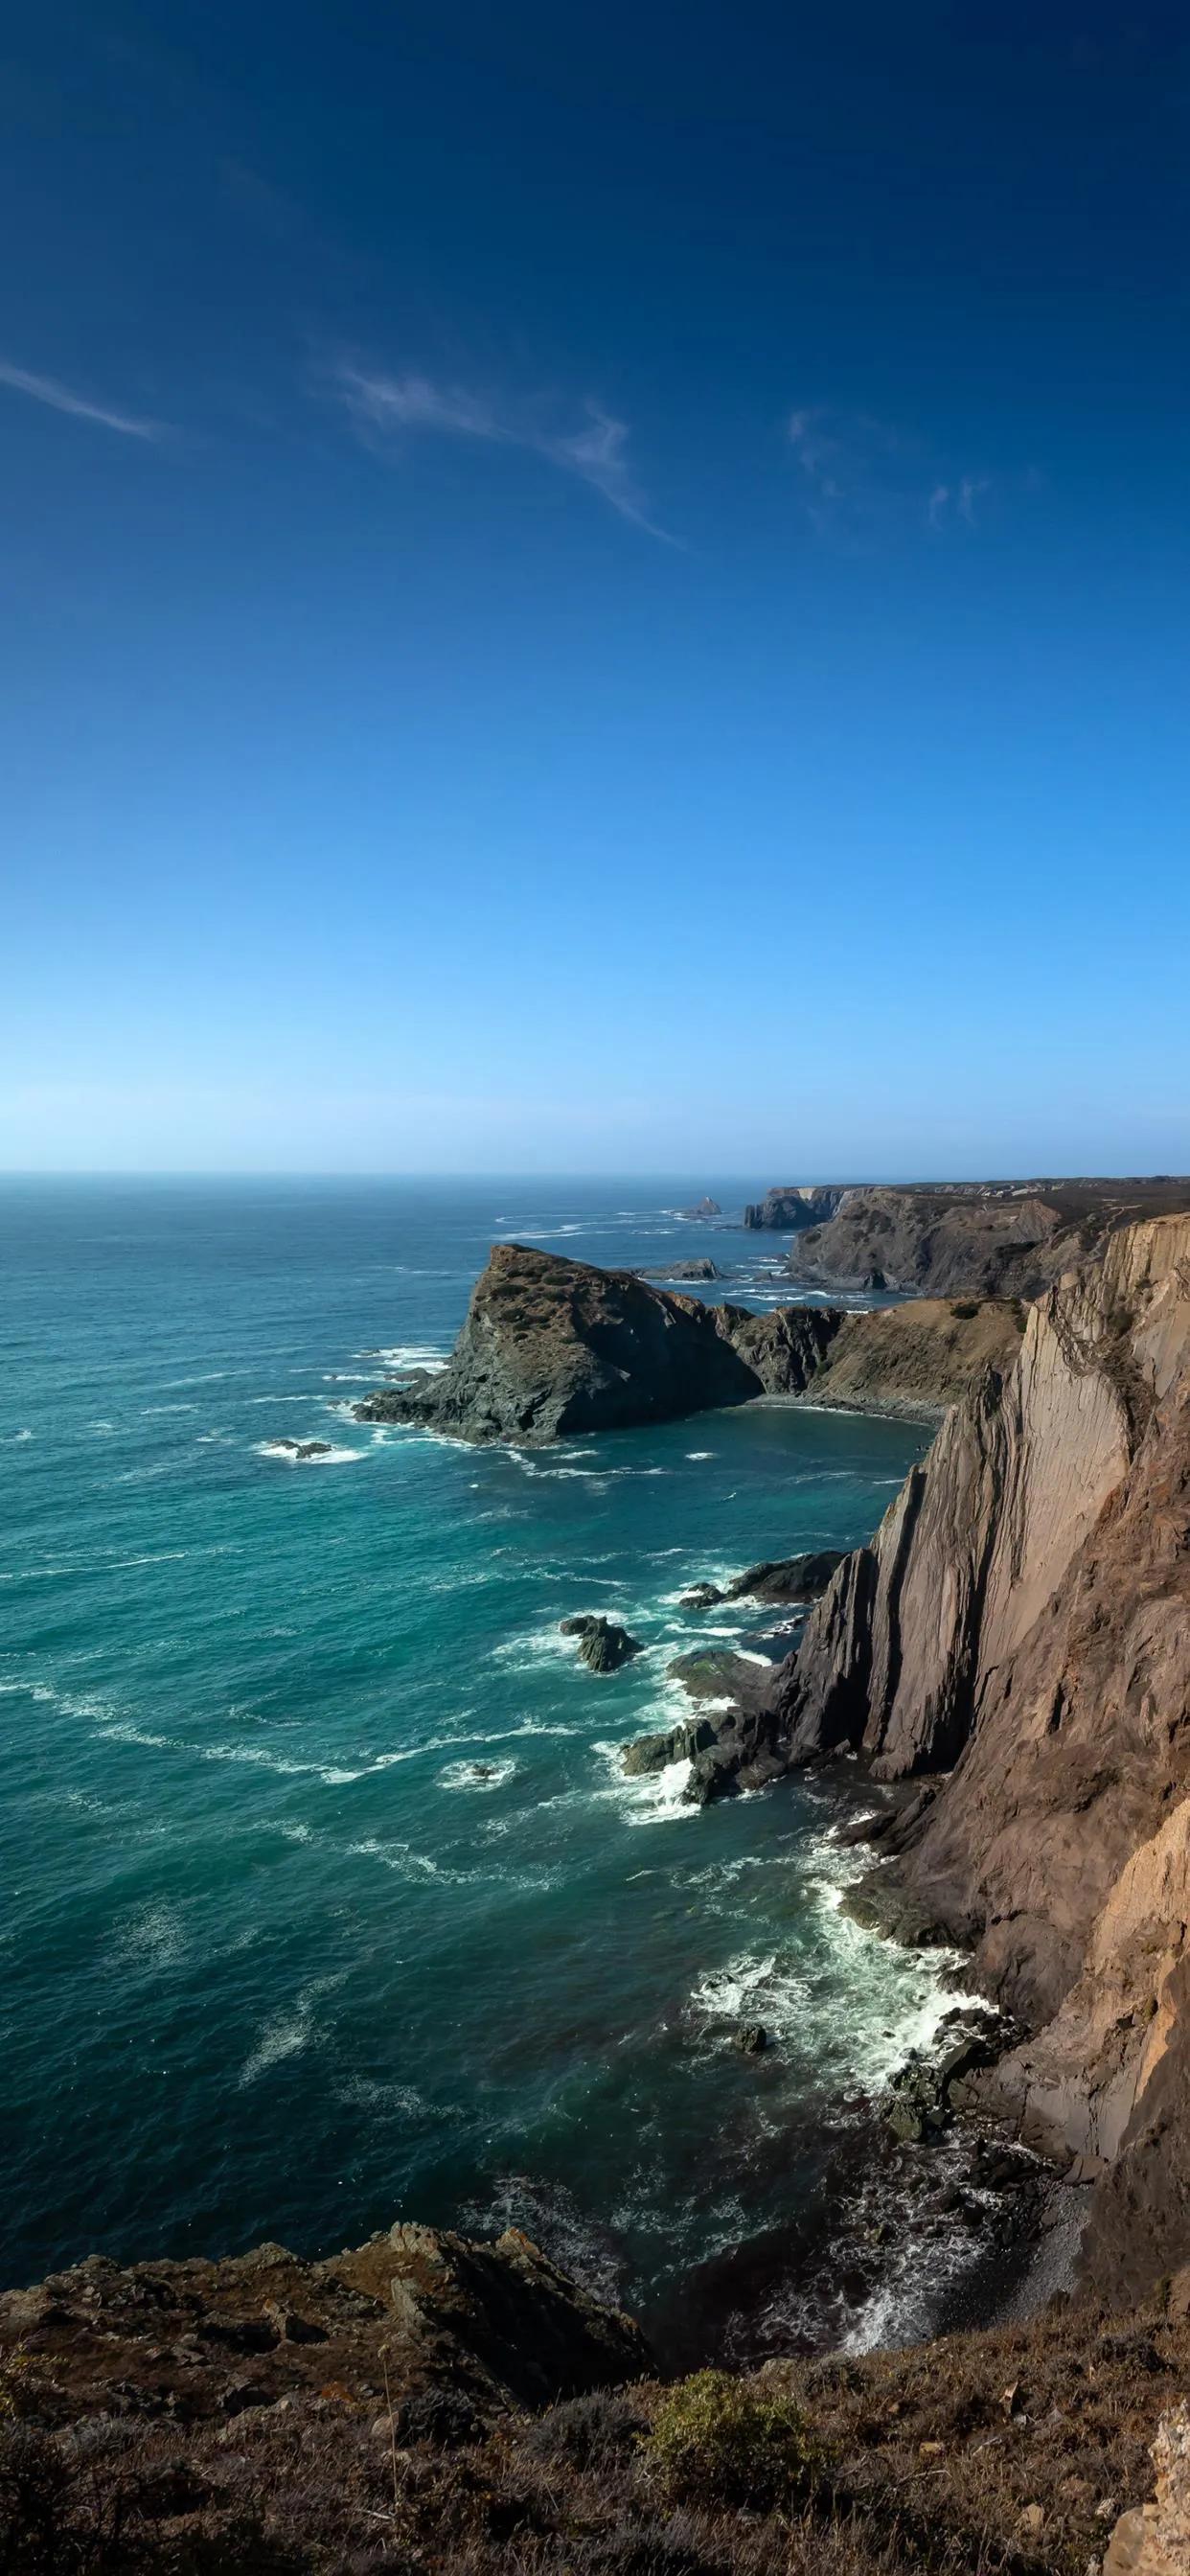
988 1239
552 1347
788 1209
1021 1622
939 1242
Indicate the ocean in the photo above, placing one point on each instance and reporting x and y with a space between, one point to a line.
325 1901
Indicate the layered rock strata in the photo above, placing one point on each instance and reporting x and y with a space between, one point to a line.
1017 1635
991 1239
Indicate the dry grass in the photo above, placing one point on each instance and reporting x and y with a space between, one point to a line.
1004 2454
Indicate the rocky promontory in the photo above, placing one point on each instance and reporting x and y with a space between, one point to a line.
919 1357
796 1205
552 1347
976 1238
426 2405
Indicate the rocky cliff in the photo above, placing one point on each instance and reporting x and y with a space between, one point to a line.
418 2309
795 1205
1019 1633
552 1347
986 1239
424 2406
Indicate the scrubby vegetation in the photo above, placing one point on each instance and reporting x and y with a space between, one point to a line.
719 2440
1004 2454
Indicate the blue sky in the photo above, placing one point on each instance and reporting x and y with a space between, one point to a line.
595 589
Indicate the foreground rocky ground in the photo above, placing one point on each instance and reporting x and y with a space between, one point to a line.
426 2404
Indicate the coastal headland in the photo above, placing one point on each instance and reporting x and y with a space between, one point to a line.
998 1682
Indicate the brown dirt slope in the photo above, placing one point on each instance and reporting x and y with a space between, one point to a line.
918 1358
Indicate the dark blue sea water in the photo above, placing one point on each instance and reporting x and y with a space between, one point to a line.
276 1959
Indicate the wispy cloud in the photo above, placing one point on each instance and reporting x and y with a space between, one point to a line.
46 389
865 478
596 451
950 501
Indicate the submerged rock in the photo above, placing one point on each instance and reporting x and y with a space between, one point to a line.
698 1269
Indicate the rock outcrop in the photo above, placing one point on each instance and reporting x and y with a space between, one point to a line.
700 1269
552 1347
603 1644
788 1209
1021 1625
1154 2539
496 2325
778 1580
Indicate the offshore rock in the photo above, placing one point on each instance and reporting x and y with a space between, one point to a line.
552 1347
602 1644
776 1580
699 1269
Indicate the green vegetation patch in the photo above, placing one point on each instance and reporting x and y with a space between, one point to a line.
719 2441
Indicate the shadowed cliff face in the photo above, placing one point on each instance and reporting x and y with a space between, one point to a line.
1021 1622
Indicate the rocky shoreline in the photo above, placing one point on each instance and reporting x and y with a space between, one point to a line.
1003 1675
1014 1649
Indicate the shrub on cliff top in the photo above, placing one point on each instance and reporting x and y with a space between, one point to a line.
717 2441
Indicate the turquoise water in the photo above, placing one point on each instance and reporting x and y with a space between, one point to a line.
276 1960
